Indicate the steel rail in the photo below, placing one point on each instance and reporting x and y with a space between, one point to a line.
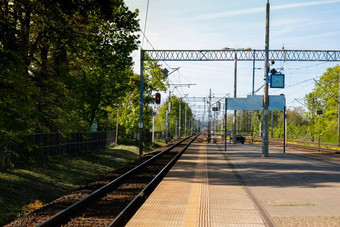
64 215
136 203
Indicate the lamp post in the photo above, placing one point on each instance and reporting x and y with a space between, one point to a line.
235 86
235 95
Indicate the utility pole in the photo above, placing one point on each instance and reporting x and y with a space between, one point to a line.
265 97
205 103
166 126
252 93
272 124
185 120
319 134
117 126
167 119
179 117
209 117
319 112
284 128
214 140
313 110
141 102
153 125
235 93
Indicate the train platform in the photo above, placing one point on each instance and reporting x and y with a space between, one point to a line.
211 187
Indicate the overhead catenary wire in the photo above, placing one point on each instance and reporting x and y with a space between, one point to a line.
146 19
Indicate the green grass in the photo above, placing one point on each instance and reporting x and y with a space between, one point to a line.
37 183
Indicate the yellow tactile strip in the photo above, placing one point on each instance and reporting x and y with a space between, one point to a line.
197 212
199 191
204 211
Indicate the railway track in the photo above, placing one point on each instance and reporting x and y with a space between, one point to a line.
110 203
299 146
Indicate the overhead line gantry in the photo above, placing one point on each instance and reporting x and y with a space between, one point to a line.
227 55
242 55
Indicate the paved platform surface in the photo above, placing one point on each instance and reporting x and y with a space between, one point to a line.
296 188
210 187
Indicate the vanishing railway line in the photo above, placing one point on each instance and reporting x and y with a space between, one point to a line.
113 200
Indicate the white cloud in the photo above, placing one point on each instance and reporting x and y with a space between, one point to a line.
296 5
262 9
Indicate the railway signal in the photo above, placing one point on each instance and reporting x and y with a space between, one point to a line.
158 98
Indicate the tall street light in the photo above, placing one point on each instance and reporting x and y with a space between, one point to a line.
235 86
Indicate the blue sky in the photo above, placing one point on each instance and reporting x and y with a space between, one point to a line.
198 24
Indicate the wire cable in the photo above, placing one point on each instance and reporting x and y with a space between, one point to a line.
146 19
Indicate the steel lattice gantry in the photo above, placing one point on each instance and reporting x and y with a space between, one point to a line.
204 99
226 55
241 55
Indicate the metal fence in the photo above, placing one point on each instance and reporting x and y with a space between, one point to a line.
56 143
147 136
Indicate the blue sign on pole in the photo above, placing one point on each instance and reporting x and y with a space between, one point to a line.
255 102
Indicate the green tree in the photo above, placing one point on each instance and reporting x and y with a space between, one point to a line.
174 116
325 97
154 81
62 62
63 65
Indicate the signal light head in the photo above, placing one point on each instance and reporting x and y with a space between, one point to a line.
158 98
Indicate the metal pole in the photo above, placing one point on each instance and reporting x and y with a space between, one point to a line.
284 128
179 117
319 133
253 84
204 106
141 103
272 124
252 93
191 125
313 110
153 125
167 119
214 126
225 126
339 114
260 129
235 94
265 97
185 120
166 126
117 127
209 117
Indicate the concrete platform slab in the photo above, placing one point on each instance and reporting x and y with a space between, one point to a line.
294 189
